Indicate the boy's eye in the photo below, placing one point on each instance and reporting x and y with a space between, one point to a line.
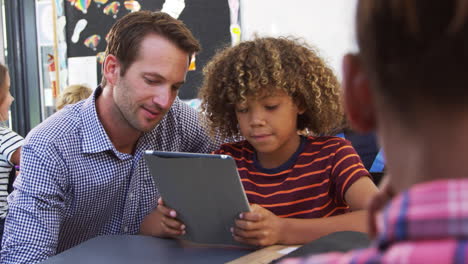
271 107
242 110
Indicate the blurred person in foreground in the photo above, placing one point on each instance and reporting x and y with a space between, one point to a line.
409 82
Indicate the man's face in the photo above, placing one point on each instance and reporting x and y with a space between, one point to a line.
150 85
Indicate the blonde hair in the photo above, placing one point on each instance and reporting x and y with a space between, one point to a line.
73 94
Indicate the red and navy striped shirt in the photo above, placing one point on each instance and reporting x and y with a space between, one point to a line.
311 184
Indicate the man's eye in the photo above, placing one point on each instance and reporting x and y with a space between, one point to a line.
150 81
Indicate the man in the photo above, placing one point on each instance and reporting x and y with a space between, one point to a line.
409 82
82 170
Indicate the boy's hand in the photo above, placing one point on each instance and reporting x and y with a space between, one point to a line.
259 227
162 222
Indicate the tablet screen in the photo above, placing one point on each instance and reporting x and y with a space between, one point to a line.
204 189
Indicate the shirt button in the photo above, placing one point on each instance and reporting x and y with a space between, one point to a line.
125 229
130 195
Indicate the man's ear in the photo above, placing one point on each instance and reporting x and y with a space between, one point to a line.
111 69
358 98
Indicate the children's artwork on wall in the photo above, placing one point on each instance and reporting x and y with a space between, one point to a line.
234 28
92 41
81 5
61 39
100 2
80 25
209 21
112 9
107 38
100 57
132 6
192 65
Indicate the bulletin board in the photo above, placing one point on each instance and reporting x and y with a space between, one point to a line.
88 22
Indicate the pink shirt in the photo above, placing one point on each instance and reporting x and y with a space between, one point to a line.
427 224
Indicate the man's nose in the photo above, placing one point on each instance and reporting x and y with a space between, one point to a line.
164 97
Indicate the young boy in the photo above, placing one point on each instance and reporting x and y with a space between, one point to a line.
300 187
409 82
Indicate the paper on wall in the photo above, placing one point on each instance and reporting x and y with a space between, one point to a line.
83 70
173 7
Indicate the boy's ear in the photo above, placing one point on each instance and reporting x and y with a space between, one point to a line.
358 98
301 110
111 69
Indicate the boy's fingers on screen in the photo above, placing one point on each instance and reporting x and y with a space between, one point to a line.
168 212
258 213
246 224
173 227
173 232
245 234
251 216
160 201
173 223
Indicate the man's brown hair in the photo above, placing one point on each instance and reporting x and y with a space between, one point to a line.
127 33
416 51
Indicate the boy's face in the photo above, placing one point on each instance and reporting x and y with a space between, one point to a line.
270 124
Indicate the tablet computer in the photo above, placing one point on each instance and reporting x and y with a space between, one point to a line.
204 189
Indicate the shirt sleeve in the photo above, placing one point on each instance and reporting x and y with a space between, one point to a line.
195 136
222 150
10 143
37 207
347 168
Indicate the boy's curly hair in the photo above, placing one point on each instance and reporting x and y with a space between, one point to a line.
262 67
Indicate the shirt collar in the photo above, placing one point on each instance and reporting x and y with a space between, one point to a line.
95 138
427 211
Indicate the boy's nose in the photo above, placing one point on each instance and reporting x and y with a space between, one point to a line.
257 119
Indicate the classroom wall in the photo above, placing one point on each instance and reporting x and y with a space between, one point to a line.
328 25
207 19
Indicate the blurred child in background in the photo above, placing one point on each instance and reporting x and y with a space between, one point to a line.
409 82
73 94
10 145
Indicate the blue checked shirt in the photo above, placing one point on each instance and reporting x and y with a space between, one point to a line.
74 185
